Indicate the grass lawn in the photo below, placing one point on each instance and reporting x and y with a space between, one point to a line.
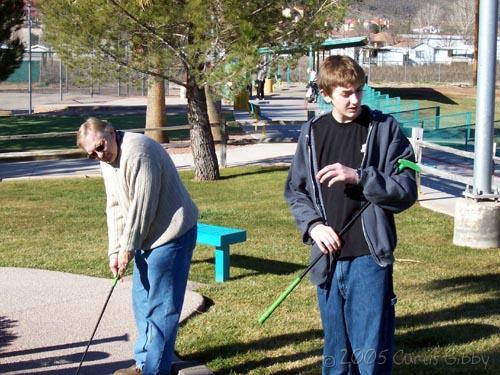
448 311
16 125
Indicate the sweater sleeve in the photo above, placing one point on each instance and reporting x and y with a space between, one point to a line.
114 218
142 176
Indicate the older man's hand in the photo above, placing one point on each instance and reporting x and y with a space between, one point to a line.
124 258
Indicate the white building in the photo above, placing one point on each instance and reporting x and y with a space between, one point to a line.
423 53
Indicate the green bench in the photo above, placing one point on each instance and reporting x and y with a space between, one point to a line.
221 238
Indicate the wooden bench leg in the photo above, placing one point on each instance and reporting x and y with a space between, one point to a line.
221 263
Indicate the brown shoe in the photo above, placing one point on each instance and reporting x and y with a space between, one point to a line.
132 370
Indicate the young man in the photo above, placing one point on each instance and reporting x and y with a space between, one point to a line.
151 218
343 159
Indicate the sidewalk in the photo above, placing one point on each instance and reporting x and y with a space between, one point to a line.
47 319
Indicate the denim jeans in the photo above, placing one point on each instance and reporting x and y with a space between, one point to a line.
159 283
357 313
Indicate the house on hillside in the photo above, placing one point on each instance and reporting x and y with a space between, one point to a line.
387 56
381 50
423 53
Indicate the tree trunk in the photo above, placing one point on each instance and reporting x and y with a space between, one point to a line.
214 115
155 111
206 167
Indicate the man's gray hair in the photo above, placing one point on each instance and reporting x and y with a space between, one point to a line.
92 124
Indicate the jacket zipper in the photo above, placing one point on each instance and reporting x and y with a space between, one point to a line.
317 190
368 242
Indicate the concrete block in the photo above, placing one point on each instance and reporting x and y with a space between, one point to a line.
477 224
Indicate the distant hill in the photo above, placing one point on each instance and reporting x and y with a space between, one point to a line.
450 16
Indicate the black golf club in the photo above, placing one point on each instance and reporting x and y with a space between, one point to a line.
115 280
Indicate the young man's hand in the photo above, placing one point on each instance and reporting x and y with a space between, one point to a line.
337 172
326 238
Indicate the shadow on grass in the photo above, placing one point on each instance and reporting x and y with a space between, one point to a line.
259 265
470 283
417 93
264 344
483 309
449 334
262 170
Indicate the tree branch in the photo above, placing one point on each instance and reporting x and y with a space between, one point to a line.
151 31
126 64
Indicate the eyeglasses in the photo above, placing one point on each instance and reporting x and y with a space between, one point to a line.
98 148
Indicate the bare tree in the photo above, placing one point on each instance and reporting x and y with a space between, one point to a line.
461 19
429 16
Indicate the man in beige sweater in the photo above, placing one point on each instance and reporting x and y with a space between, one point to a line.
152 219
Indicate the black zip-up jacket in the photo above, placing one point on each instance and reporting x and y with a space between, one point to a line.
389 190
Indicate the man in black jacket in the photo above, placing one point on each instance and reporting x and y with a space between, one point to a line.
343 159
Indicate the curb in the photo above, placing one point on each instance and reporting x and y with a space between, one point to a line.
180 367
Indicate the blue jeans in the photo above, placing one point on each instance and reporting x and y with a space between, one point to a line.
159 283
357 312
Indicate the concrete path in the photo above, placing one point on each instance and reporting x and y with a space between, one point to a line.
47 318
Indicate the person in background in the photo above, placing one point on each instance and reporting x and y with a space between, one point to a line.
261 80
152 219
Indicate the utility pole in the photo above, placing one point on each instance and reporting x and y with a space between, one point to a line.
29 59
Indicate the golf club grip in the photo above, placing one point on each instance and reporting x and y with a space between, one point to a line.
280 299
340 234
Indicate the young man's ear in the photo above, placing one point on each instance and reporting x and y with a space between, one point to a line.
326 96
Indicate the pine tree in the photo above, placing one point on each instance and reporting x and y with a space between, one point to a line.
212 42
11 47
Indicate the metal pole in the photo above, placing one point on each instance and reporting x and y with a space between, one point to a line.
485 106
29 60
60 81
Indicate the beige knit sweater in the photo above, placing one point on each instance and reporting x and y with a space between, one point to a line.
147 204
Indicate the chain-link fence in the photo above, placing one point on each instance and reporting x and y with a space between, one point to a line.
394 72
50 76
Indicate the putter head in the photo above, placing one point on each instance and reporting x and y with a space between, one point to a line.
403 163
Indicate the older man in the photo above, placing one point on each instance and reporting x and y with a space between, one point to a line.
152 218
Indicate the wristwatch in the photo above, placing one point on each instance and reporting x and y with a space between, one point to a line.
358 172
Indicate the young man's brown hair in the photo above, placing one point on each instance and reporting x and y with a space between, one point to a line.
338 71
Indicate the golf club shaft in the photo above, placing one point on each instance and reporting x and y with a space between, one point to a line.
299 278
115 280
